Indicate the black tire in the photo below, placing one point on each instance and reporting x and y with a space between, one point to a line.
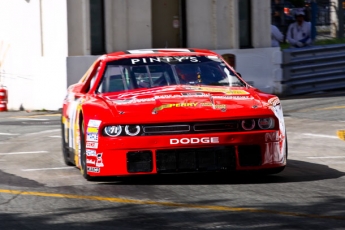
65 150
83 166
274 170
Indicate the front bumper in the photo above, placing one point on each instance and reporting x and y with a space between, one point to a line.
122 156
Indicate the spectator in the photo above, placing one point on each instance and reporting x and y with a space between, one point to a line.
276 36
278 10
299 32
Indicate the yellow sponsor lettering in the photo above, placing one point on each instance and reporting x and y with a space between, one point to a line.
194 104
220 106
92 130
236 92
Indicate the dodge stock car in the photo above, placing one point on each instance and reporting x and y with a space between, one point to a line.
160 111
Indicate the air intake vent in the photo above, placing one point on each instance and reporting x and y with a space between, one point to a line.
184 128
196 159
229 126
139 161
249 155
166 129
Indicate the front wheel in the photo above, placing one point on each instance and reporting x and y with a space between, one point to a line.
274 170
65 150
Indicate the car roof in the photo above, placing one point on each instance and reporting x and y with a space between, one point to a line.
156 52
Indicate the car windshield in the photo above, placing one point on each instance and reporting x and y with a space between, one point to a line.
149 72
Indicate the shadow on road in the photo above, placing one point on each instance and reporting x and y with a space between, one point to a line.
13 180
326 213
296 171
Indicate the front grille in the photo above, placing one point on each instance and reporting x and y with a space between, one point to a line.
249 155
216 126
166 129
196 159
204 127
139 161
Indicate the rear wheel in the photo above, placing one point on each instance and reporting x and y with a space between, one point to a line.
65 150
83 167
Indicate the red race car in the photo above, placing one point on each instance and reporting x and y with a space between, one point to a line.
158 111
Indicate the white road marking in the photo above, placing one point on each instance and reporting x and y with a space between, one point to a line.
336 163
9 134
18 153
33 119
55 136
320 135
46 131
296 151
42 169
329 157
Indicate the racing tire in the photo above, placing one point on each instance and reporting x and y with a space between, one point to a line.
65 150
273 170
83 166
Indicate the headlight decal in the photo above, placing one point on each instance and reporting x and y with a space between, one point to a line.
266 123
113 130
132 130
248 124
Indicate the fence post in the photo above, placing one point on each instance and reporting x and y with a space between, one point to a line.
313 20
340 19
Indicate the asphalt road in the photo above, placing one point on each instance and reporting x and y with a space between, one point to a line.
37 191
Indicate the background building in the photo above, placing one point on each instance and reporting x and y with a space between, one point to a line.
47 45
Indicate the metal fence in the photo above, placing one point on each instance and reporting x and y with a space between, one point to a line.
312 69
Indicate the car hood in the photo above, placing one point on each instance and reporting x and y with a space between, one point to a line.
184 103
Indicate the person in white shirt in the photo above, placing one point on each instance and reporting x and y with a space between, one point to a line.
299 32
276 36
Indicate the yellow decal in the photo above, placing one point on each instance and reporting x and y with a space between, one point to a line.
341 134
236 92
65 123
92 130
175 105
63 120
221 106
195 104
222 90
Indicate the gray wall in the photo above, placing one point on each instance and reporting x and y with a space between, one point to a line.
77 67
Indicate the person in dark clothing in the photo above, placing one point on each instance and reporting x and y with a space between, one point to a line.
277 13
